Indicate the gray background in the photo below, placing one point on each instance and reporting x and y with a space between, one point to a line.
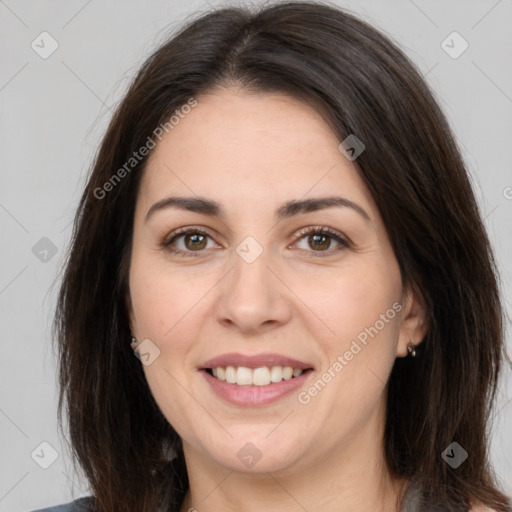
54 112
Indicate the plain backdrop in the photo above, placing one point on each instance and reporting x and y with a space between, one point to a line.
54 111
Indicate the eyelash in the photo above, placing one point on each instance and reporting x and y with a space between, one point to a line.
314 230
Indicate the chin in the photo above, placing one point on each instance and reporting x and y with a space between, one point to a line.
256 454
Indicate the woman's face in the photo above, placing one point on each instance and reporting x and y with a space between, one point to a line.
255 282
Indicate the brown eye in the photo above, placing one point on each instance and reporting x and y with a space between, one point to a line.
187 241
320 239
321 242
195 241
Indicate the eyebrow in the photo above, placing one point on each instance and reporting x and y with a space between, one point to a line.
288 209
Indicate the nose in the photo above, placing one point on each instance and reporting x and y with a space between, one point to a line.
253 297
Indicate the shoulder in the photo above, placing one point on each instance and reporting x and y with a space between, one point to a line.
78 505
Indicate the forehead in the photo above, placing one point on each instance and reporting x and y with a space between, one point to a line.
266 146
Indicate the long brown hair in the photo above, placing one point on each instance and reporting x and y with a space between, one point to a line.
364 85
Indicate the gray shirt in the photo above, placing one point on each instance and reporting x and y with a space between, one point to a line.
78 505
410 504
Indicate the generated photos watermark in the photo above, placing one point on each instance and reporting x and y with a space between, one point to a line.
143 151
304 397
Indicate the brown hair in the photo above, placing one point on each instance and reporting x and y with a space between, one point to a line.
364 85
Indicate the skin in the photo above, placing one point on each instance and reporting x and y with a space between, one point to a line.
252 153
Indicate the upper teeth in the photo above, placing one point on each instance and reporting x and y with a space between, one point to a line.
263 376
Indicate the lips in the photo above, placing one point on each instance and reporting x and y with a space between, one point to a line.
255 396
255 380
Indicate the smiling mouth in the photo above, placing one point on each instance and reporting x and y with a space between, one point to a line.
262 376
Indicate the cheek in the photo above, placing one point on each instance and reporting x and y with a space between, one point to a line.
163 305
365 304
352 299
363 310
361 307
163 296
171 397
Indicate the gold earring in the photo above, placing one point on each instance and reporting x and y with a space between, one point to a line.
411 349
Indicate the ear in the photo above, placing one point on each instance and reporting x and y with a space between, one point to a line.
414 321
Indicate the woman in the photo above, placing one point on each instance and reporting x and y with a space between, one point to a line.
280 225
